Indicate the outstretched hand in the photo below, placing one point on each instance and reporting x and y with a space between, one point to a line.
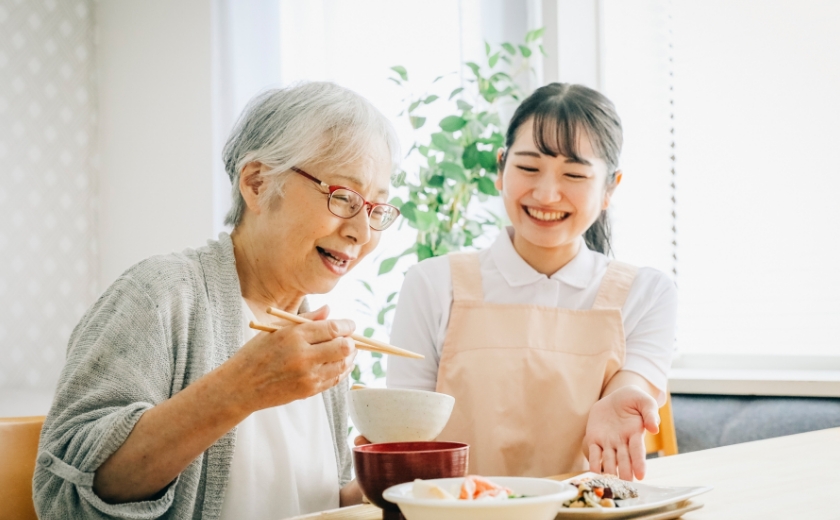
615 432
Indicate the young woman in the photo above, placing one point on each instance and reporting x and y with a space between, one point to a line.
552 351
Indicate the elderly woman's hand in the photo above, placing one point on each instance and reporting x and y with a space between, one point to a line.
295 362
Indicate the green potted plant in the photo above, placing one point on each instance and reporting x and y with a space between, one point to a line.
457 163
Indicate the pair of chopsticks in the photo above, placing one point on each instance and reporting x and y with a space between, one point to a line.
362 343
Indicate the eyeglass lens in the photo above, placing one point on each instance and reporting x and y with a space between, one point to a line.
346 204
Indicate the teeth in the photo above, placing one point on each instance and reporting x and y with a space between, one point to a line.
332 259
547 216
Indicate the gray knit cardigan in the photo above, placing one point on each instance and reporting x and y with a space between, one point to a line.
161 326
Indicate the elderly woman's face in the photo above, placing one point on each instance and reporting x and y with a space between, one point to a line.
308 247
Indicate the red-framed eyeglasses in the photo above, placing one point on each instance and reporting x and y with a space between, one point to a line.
346 203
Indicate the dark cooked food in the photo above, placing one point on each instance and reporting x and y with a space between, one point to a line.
600 491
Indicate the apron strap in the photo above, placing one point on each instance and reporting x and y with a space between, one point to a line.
466 276
615 286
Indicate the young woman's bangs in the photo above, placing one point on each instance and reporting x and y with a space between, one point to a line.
557 131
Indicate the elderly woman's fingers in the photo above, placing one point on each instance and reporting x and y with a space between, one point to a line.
325 330
333 351
318 314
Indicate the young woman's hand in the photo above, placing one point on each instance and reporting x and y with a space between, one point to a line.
615 432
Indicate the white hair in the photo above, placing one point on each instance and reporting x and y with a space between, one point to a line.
316 122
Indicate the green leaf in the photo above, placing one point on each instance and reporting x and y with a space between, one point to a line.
437 79
417 121
367 286
368 333
463 105
426 220
452 123
395 80
356 374
536 34
470 156
423 252
430 99
391 296
487 160
542 51
509 48
376 355
380 318
526 52
441 141
377 370
399 69
409 211
474 67
414 105
455 92
453 171
493 59
485 185
388 264
436 181
396 201
487 48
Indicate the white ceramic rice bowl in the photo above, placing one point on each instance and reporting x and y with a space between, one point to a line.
544 499
399 415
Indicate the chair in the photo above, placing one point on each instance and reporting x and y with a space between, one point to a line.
18 450
665 442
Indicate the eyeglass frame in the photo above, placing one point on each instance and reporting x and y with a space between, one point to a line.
365 203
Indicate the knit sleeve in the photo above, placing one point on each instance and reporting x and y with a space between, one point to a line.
120 363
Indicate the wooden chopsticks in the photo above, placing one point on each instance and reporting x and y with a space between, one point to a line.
362 343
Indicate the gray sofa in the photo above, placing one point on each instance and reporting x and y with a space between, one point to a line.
709 421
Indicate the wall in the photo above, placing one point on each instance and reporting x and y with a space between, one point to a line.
48 247
155 100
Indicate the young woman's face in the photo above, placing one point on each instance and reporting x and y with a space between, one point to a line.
552 201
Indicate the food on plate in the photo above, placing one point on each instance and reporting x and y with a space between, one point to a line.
600 491
473 487
423 489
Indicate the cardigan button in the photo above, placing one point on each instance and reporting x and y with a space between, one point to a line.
45 460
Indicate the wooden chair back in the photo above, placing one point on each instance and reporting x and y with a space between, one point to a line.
18 450
665 442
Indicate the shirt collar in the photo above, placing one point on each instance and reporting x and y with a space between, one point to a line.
577 273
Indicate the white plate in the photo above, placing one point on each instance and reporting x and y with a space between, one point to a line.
651 498
544 498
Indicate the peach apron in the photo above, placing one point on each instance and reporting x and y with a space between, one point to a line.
524 377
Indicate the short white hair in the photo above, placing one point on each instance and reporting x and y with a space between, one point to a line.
313 122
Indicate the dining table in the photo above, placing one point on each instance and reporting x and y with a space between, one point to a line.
785 478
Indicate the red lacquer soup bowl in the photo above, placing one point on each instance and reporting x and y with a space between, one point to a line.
380 466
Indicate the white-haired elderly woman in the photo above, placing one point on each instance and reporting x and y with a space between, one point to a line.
169 406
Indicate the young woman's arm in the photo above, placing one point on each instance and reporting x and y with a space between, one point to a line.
629 404
423 303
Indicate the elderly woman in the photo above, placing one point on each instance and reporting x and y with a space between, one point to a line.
169 406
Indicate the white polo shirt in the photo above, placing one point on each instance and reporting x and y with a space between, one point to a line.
422 314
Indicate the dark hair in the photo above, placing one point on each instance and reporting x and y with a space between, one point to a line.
560 112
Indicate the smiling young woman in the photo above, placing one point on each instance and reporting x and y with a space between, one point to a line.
552 351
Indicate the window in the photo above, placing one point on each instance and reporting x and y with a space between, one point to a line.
755 111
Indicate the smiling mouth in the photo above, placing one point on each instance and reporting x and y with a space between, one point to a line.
332 259
546 216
